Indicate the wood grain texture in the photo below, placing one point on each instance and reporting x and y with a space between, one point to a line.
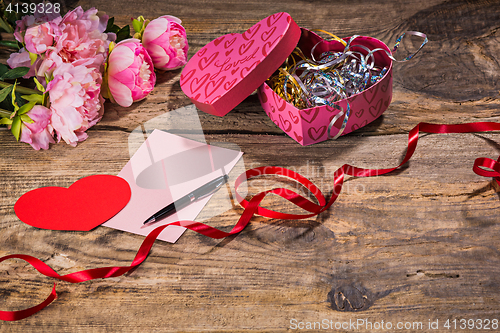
417 245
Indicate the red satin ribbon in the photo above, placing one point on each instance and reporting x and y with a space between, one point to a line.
252 207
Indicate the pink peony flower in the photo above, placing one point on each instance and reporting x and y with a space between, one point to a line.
32 22
166 42
39 37
22 59
71 52
48 64
79 35
130 75
74 100
82 35
40 133
53 60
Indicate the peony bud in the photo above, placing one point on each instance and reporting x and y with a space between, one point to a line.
130 75
166 42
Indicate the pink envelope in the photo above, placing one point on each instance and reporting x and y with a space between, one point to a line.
165 168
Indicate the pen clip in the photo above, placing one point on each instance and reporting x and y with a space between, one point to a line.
216 188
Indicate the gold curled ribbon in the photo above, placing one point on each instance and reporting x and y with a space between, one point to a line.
333 36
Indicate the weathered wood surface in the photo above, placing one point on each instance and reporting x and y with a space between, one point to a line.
417 245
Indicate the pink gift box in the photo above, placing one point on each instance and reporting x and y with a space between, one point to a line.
228 69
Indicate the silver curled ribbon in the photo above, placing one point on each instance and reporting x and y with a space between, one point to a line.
333 76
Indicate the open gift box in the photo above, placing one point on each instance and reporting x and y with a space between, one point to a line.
228 69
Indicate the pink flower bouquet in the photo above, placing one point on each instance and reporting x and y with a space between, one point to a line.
75 64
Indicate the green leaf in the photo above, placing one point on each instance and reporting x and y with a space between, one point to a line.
3 69
26 107
12 16
15 73
111 20
124 33
27 119
39 85
111 27
16 127
13 98
9 43
7 104
115 29
35 98
5 92
5 121
137 25
6 26
5 113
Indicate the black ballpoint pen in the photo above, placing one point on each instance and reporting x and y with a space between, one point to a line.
201 192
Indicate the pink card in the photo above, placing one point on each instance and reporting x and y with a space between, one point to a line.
165 168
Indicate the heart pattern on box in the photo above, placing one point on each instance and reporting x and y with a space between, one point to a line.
358 126
298 138
83 206
279 102
375 109
226 61
309 115
316 133
359 113
293 117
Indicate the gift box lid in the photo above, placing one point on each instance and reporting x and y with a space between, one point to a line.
228 69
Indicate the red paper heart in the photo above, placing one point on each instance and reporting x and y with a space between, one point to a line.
83 206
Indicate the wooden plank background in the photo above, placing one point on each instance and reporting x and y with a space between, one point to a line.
418 245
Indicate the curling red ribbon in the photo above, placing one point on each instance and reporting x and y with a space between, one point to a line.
483 162
252 207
